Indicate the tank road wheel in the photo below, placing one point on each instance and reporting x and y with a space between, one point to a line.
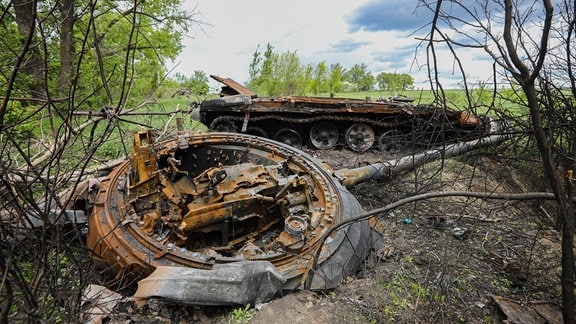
392 142
257 131
324 135
289 136
226 126
360 137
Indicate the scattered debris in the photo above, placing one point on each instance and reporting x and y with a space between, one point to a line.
440 223
531 313
205 205
208 200
69 207
385 253
97 303
460 233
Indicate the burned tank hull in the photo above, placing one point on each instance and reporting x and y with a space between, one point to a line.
324 123
212 200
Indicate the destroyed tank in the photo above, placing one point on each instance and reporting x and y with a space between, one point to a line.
224 218
324 123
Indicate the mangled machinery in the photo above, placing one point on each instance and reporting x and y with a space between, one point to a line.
230 218
207 202
325 123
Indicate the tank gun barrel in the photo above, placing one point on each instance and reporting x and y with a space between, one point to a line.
352 177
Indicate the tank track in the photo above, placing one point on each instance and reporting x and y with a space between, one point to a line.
406 139
369 121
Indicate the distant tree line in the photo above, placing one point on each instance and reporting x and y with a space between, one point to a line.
282 73
394 81
274 73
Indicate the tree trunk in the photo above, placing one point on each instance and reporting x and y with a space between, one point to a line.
566 205
567 278
66 45
526 77
25 11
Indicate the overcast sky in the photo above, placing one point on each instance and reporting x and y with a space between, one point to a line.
381 34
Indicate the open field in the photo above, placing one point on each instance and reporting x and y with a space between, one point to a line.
171 107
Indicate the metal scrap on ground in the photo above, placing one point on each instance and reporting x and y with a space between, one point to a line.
214 202
230 218
207 201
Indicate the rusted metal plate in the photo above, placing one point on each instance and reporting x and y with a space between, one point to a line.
200 206
233 87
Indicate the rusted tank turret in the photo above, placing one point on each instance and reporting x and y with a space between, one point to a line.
209 201
324 123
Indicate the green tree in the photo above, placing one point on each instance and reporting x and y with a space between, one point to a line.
320 78
306 80
273 73
93 38
262 71
367 82
335 79
56 58
360 78
196 84
394 81
140 54
255 67
288 71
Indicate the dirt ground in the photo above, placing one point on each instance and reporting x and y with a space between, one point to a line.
445 260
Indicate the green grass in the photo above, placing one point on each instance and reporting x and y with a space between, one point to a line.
479 101
38 125
423 96
36 130
241 315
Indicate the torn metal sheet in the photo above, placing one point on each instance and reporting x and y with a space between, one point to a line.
220 209
232 87
244 282
65 208
55 217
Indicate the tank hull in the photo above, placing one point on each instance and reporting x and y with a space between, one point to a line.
325 123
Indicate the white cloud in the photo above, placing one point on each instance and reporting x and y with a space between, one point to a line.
316 29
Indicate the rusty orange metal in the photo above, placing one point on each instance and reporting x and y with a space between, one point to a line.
215 198
220 218
232 87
